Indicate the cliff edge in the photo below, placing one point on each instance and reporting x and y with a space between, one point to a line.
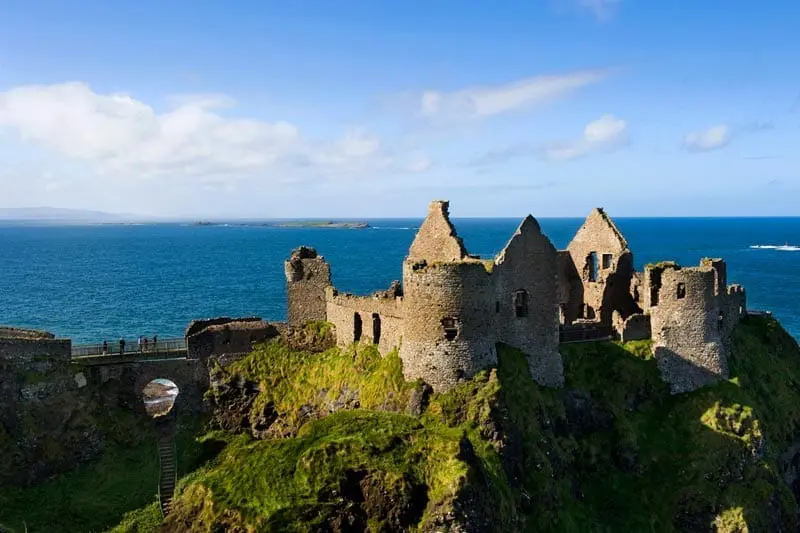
338 441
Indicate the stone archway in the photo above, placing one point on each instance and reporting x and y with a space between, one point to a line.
159 397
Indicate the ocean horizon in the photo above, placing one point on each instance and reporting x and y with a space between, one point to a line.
94 281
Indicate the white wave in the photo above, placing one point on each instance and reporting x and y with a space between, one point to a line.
381 227
162 399
780 248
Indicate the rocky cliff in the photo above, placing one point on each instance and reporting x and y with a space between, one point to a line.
339 442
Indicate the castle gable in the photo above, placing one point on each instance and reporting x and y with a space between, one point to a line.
436 240
599 233
528 229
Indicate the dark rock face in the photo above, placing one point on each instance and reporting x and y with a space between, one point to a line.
46 411
583 414
418 400
364 495
232 403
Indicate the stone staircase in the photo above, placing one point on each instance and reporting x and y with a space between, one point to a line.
168 470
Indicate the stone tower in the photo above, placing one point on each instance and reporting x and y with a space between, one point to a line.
686 317
308 275
449 301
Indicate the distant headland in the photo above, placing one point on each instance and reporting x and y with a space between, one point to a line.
291 224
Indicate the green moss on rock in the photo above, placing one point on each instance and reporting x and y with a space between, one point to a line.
324 443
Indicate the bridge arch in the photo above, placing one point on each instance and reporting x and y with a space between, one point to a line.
159 397
190 376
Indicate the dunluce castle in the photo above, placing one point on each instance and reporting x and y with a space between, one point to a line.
452 308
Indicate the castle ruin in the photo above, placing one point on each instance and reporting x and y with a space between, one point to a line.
453 308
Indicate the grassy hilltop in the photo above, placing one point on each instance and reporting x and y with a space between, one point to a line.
338 441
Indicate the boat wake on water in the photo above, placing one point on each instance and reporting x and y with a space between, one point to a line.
780 248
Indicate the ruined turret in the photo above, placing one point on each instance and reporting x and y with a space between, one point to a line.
448 332
308 275
686 318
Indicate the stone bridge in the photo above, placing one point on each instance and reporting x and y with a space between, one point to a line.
126 380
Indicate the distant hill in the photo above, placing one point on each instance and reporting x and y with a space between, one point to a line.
65 215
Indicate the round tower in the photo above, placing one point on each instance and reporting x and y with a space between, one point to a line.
449 330
687 323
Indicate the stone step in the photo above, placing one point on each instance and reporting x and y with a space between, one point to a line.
167 472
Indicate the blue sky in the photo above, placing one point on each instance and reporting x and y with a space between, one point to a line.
372 108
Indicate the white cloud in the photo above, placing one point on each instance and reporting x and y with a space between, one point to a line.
602 135
713 138
486 101
603 10
721 135
606 133
120 136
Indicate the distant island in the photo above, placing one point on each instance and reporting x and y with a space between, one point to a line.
291 224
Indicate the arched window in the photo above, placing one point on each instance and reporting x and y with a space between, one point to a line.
376 328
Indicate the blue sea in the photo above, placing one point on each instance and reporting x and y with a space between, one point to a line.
96 282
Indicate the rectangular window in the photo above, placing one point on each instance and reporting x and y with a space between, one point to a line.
681 290
521 303
592 266
356 327
607 259
450 328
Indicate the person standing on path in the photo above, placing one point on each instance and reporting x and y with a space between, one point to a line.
121 346
105 347
140 344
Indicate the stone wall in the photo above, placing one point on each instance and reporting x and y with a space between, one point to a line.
605 266
226 336
686 329
46 425
528 268
570 289
449 327
308 275
634 328
436 239
734 308
26 350
380 314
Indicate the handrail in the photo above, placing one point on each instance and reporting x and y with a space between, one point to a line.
130 347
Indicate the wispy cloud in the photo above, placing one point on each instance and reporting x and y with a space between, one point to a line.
124 138
603 10
719 136
486 101
709 139
605 134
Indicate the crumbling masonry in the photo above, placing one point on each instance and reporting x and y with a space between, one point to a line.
453 308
